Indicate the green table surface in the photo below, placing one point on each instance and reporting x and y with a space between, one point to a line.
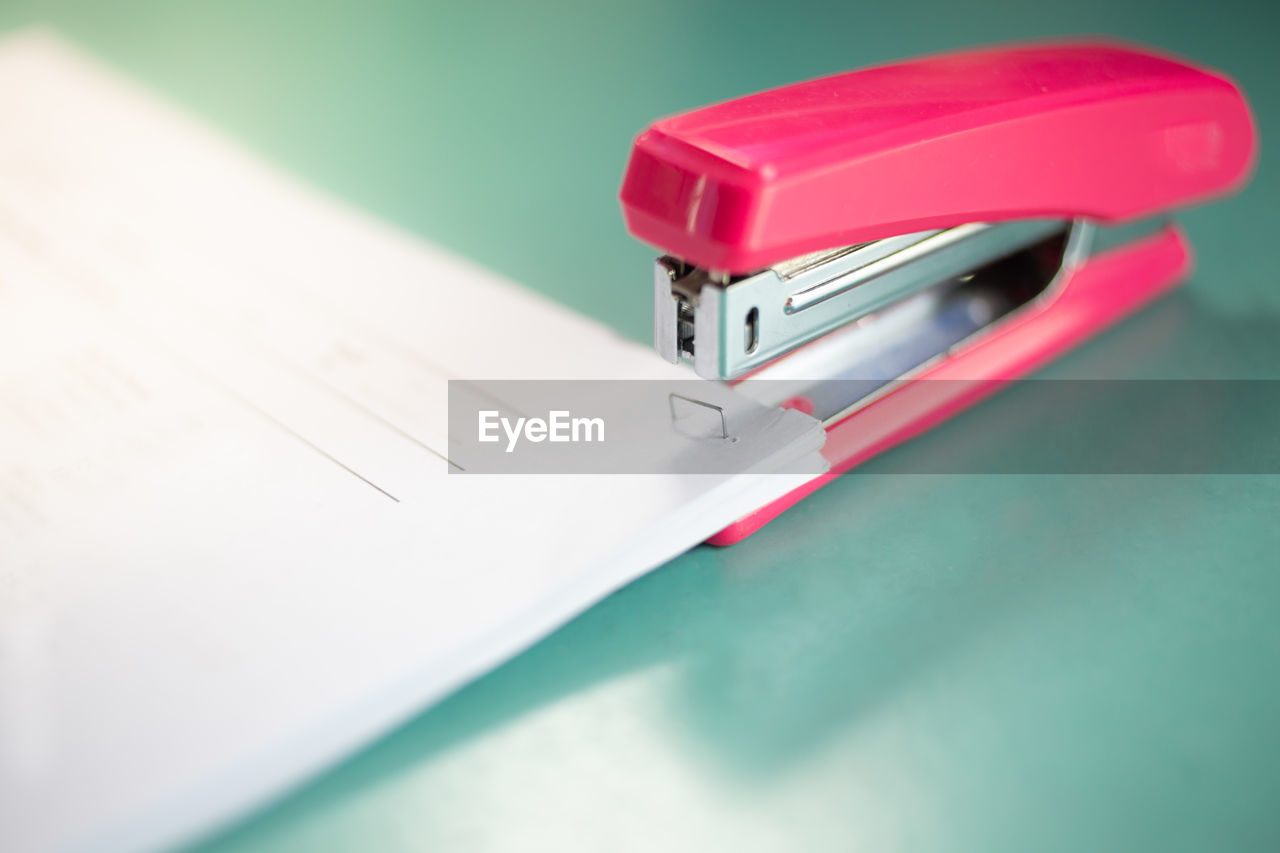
903 661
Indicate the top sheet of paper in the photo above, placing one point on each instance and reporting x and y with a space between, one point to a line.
230 552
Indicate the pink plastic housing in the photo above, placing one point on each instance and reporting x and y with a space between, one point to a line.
1109 287
1091 129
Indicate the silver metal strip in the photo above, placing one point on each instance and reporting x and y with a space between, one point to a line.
797 301
852 367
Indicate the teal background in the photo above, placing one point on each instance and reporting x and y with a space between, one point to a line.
902 662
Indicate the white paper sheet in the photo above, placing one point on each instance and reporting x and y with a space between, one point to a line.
230 552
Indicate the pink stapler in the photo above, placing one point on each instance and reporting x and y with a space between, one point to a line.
931 219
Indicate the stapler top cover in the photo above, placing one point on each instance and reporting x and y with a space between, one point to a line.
1090 129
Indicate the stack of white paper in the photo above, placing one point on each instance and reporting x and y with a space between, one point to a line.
230 550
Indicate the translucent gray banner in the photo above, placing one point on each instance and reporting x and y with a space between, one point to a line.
1035 426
